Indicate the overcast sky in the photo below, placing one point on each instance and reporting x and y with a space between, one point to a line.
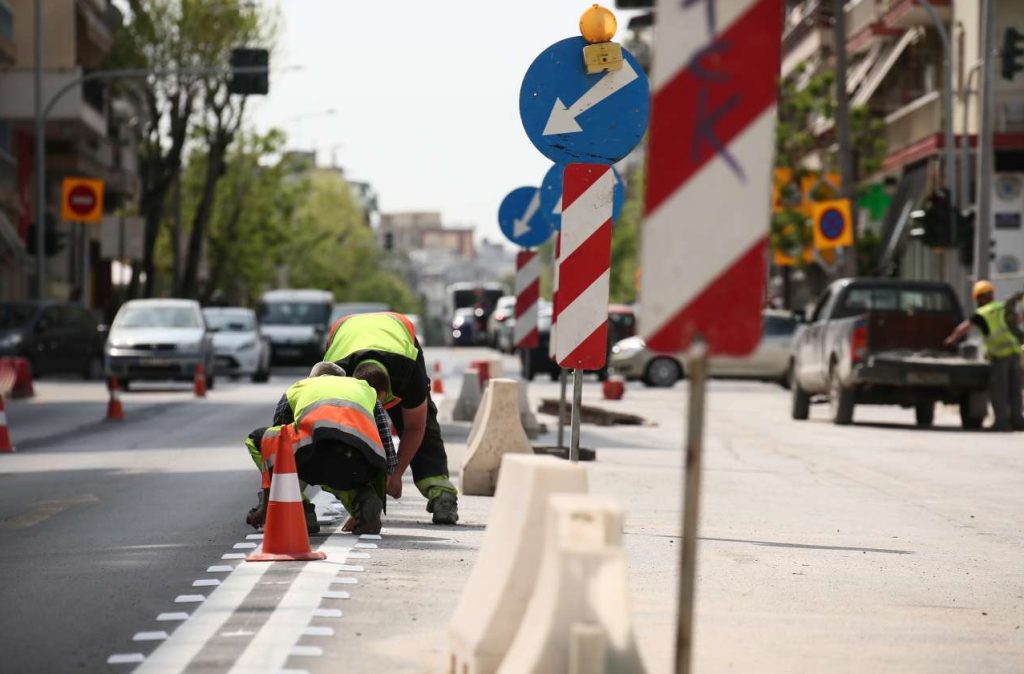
426 95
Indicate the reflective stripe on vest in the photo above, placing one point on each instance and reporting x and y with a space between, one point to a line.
388 332
1000 342
338 407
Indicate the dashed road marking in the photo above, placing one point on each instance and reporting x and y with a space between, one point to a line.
359 555
205 582
366 546
254 537
307 651
125 658
233 555
326 613
336 594
220 568
349 567
189 599
370 537
345 580
172 617
150 636
318 631
244 546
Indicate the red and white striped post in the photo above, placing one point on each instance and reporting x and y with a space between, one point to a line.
709 168
552 336
585 244
525 334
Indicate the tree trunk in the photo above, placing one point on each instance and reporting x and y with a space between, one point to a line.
214 171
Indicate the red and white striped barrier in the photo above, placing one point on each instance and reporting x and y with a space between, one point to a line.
583 263
555 306
709 173
525 334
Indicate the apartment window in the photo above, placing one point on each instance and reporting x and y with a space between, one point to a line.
6 21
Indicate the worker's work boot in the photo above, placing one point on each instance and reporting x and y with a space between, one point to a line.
368 508
445 508
312 524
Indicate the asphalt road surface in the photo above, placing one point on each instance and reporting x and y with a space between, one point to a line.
876 547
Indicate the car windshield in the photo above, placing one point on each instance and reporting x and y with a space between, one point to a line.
15 315
158 317
294 313
230 321
775 326
860 300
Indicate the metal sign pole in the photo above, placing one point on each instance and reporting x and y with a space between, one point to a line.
697 376
563 381
577 403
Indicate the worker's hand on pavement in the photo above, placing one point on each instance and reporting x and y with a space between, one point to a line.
350 524
949 341
395 486
256 516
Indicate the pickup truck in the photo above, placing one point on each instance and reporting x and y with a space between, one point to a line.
880 342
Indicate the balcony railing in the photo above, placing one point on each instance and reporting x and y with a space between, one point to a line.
915 121
859 15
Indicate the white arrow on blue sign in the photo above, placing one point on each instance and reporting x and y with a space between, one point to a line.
571 116
551 195
521 219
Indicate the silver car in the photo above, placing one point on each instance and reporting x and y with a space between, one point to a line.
159 340
240 349
770 361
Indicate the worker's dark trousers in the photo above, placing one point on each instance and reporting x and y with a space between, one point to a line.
1004 392
430 465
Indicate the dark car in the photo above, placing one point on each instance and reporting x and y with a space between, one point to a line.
462 328
621 324
55 337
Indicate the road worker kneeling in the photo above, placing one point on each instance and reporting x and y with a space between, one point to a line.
343 444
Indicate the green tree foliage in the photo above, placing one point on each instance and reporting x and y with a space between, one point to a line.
626 239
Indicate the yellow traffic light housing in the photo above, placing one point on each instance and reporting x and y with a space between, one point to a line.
598 26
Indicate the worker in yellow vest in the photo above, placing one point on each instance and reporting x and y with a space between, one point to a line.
382 349
997 322
342 442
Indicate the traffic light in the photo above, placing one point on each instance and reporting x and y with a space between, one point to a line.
965 238
1013 50
249 83
936 219
54 240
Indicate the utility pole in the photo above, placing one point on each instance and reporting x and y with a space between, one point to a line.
986 156
40 200
849 263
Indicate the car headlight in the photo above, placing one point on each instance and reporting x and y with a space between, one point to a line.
458 322
188 346
11 341
247 345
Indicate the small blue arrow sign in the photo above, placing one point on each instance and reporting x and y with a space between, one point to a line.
521 219
551 196
571 116
832 224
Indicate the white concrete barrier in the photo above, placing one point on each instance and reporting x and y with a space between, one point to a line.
526 415
496 594
474 428
497 369
468 403
578 618
496 431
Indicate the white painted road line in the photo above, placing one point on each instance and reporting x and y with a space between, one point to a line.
189 599
366 546
370 537
220 568
348 567
318 631
345 580
359 555
307 651
334 594
326 613
125 658
205 582
254 537
172 617
233 555
269 649
175 654
150 636
244 546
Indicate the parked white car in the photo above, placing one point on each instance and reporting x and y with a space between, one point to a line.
239 348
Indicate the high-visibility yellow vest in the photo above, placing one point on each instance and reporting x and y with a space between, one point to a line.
387 339
1000 342
336 408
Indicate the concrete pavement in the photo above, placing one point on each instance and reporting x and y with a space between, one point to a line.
876 547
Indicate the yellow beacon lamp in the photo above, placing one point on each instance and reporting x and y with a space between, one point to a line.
598 26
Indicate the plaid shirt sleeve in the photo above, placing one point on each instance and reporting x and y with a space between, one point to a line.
384 428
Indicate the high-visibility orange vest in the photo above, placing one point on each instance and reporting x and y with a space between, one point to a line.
340 409
273 439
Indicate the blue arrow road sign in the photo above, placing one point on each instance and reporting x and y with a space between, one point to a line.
571 116
551 195
521 220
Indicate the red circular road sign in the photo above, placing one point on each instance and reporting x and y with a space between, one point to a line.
82 200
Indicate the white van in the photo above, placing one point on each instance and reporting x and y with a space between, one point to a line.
296 323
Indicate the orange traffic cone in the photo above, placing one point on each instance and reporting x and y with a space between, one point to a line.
284 534
5 439
115 411
437 385
199 385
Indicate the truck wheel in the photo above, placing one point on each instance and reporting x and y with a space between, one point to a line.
967 420
840 400
800 408
924 413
